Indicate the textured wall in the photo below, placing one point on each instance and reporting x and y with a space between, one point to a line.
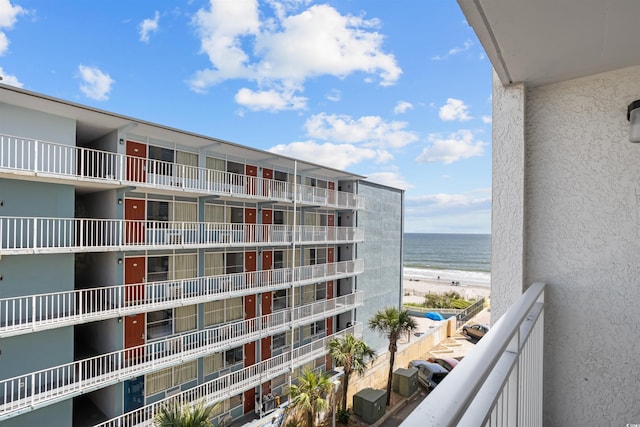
582 192
382 254
507 221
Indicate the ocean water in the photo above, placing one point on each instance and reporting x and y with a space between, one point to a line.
464 258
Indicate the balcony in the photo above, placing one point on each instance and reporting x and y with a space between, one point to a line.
236 382
32 313
42 388
31 235
500 382
25 158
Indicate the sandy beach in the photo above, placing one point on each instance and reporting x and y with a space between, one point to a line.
414 289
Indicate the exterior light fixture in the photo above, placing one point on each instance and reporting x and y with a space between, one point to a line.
119 201
119 260
633 115
121 141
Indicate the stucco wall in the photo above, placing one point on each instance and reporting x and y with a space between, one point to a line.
582 192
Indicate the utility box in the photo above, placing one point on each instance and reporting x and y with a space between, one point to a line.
405 381
370 404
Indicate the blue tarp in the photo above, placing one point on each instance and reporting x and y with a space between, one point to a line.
433 315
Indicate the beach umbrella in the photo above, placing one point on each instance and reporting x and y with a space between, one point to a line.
433 315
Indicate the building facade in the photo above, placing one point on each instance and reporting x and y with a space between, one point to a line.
140 263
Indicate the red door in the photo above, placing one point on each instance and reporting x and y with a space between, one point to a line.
251 172
331 187
135 270
331 220
265 343
249 359
250 215
267 177
250 266
328 360
134 330
266 220
267 265
136 161
135 215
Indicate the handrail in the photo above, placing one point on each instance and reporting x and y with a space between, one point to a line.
469 392
25 155
19 235
236 382
41 388
30 313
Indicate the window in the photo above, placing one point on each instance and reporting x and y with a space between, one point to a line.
281 340
278 259
280 176
321 291
233 356
159 323
219 312
313 329
218 361
157 268
171 377
308 294
280 300
162 323
157 210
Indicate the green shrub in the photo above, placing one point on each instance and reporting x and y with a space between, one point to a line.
343 416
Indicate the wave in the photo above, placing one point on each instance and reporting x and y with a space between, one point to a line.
475 277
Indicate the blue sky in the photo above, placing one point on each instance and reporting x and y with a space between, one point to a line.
396 90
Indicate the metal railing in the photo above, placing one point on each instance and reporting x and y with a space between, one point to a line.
499 383
29 156
31 313
41 388
20 235
234 383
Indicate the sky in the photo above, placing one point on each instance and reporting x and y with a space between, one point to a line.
396 90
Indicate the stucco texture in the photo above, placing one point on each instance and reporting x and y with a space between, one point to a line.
582 187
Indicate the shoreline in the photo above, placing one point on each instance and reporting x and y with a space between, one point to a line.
413 288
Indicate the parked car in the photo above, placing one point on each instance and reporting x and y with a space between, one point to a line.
475 331
447 363
429 374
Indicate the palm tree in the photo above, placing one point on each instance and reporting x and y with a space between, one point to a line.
176 414
310 394
393 323
353 354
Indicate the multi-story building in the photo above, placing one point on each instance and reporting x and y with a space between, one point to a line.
140 263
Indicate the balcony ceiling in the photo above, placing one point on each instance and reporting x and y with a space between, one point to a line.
545 41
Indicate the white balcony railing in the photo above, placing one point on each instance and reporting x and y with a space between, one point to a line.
41 388
28 156
236 382
499 383
23 235
31 313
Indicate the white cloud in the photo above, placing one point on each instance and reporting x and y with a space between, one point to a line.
458 145
454 109
446 204
149 26
95 84
467 212
370 131
8 79
270 100
338 156
8 16
486 119
334 95
391 179
468 44
284 51
402 107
